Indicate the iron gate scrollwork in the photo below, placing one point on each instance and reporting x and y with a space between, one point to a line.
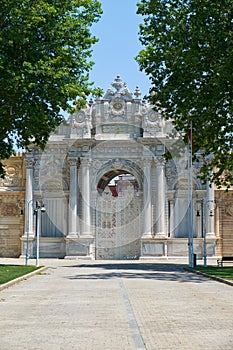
118 226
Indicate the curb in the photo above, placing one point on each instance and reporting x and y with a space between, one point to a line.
22 278
215 278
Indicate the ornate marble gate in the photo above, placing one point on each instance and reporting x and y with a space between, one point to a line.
117 134
118 226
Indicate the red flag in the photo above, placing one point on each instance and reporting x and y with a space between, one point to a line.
190 135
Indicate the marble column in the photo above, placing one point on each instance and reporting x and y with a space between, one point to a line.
73 215
171 218
147 223
217 216
29 232
210 209
86 209
160 205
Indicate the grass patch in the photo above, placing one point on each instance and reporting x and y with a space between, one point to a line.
222 272
10 272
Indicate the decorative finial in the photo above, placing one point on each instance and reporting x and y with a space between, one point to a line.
118 84
137 92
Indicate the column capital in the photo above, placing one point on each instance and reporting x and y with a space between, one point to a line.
73 162
86 161
160 161
29 162
147 161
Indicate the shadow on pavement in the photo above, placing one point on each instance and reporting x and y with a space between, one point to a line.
147 271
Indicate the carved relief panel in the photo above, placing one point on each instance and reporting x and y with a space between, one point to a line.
14 172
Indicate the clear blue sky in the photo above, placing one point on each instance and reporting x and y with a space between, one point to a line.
118 44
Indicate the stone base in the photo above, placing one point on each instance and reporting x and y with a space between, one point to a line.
48 247
74 257
84 248
73 235
52 247
152 247
27 246
176 247
79 248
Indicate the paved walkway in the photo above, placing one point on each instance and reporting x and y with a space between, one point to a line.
116 306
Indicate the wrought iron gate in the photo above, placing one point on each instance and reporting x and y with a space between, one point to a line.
118 226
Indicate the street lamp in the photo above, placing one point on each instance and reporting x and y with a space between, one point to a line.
210 205
40 208
22 204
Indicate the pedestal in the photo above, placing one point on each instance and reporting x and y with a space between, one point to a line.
79 248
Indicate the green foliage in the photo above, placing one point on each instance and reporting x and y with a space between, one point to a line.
46 46
10 272
188 55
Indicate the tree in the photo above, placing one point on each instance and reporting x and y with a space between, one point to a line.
188 55
46 47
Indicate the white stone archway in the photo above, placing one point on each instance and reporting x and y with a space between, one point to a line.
117 134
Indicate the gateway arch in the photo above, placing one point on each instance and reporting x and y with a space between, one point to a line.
115 138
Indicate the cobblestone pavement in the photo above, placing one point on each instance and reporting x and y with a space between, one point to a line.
116 305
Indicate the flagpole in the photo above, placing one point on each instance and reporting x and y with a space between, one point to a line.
190 199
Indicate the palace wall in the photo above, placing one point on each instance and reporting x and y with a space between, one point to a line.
12 190
224 222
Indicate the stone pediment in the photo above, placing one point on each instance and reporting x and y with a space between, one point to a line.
120 114
122 93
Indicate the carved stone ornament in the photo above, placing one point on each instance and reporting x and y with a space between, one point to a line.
118 83
29 163
137 92
12 177
229 209
117 108
121 91
52 185
160 161
37 172
152 116
171 173
51 167
86 162
9 209
79 118
11 170
73 162
117 164
97 164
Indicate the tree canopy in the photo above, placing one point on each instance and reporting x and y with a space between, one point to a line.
45 59
188 55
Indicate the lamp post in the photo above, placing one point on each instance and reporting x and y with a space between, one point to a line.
204 237
40 208
26 204
210 205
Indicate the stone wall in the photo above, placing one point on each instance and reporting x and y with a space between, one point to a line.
12 190
224 222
